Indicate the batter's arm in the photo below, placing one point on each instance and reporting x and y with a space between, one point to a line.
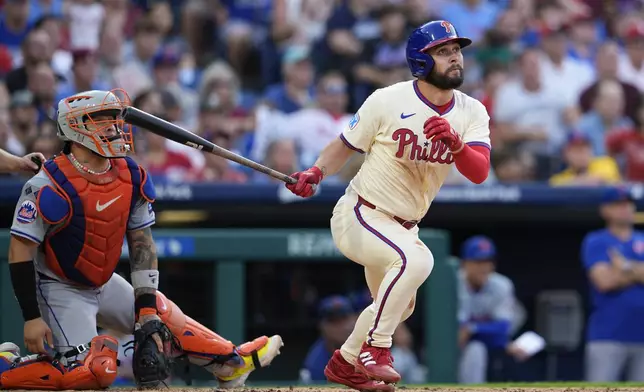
10 163
334 156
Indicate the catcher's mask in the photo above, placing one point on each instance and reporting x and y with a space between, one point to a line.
93 119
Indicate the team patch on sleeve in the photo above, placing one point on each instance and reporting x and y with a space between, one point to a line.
28 212
354 121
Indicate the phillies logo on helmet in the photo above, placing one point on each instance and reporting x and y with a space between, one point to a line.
447 26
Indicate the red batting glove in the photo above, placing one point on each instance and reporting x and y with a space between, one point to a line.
439 129
306 182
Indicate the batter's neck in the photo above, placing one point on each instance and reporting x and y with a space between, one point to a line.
435 95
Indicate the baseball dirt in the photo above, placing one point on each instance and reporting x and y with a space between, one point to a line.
408 389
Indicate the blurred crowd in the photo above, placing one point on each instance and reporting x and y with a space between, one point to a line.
276 80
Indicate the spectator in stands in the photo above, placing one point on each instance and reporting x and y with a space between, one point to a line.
110 51
47 141
613 261
486 311
23 122
529 114
607 116
296 91
473 17
61 60
631 64
135 73
494 76
583 168
336 316
220 79
281 155
85 20
83 78
14 25
628 147
406 362
166 165
349 26
559 71
383 60
584 39
511 166
43 84
220 169
39 8
418 12
317 125
35 49
606 66
165 75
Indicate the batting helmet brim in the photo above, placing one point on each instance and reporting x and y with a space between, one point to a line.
462 41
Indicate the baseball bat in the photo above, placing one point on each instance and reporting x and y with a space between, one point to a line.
156 125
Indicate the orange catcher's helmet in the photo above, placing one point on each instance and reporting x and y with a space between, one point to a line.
93 119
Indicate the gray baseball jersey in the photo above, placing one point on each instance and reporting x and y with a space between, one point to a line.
495 301
28 224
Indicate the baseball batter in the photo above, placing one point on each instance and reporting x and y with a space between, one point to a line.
68 230
411 133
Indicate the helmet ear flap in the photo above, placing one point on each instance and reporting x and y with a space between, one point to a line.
422 65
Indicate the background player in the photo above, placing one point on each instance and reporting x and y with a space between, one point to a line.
613 258
66 240
411 133
486 311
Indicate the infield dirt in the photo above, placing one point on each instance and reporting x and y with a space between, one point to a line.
408 389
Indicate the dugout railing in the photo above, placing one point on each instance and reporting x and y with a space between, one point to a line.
228 250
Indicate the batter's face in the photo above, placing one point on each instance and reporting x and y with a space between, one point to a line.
447 73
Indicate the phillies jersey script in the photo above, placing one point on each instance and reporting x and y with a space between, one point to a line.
403 171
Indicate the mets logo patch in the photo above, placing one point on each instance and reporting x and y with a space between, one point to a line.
27 212
354 121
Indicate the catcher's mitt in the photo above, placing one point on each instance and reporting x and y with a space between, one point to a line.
150 366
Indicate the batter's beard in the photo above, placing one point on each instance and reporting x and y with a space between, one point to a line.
444 82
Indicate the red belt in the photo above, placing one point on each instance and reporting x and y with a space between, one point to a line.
407 224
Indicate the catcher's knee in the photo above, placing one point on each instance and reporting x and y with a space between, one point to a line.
202 345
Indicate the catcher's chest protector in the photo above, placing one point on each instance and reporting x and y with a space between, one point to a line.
92 214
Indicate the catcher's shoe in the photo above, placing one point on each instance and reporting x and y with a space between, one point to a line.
258 353
339 371
377 364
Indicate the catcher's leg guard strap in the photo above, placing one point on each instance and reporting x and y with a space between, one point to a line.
98 371
202 345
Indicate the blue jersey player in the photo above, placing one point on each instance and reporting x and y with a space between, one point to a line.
613 259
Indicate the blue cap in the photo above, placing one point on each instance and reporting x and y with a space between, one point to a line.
166 56
577 137
478 248
616 194
335 307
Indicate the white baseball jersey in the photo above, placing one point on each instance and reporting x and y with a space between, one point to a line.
403 171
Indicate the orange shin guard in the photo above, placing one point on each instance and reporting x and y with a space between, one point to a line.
202 346
97 371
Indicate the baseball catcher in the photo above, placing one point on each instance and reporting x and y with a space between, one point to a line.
66 238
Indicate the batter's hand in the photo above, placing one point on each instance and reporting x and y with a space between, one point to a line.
36 332
439 129
306 182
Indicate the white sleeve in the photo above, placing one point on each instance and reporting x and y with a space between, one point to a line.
363 126
142 216
478 132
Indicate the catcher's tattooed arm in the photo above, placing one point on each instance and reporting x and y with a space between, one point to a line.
143 261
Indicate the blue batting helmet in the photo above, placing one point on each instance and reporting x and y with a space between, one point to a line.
425 37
